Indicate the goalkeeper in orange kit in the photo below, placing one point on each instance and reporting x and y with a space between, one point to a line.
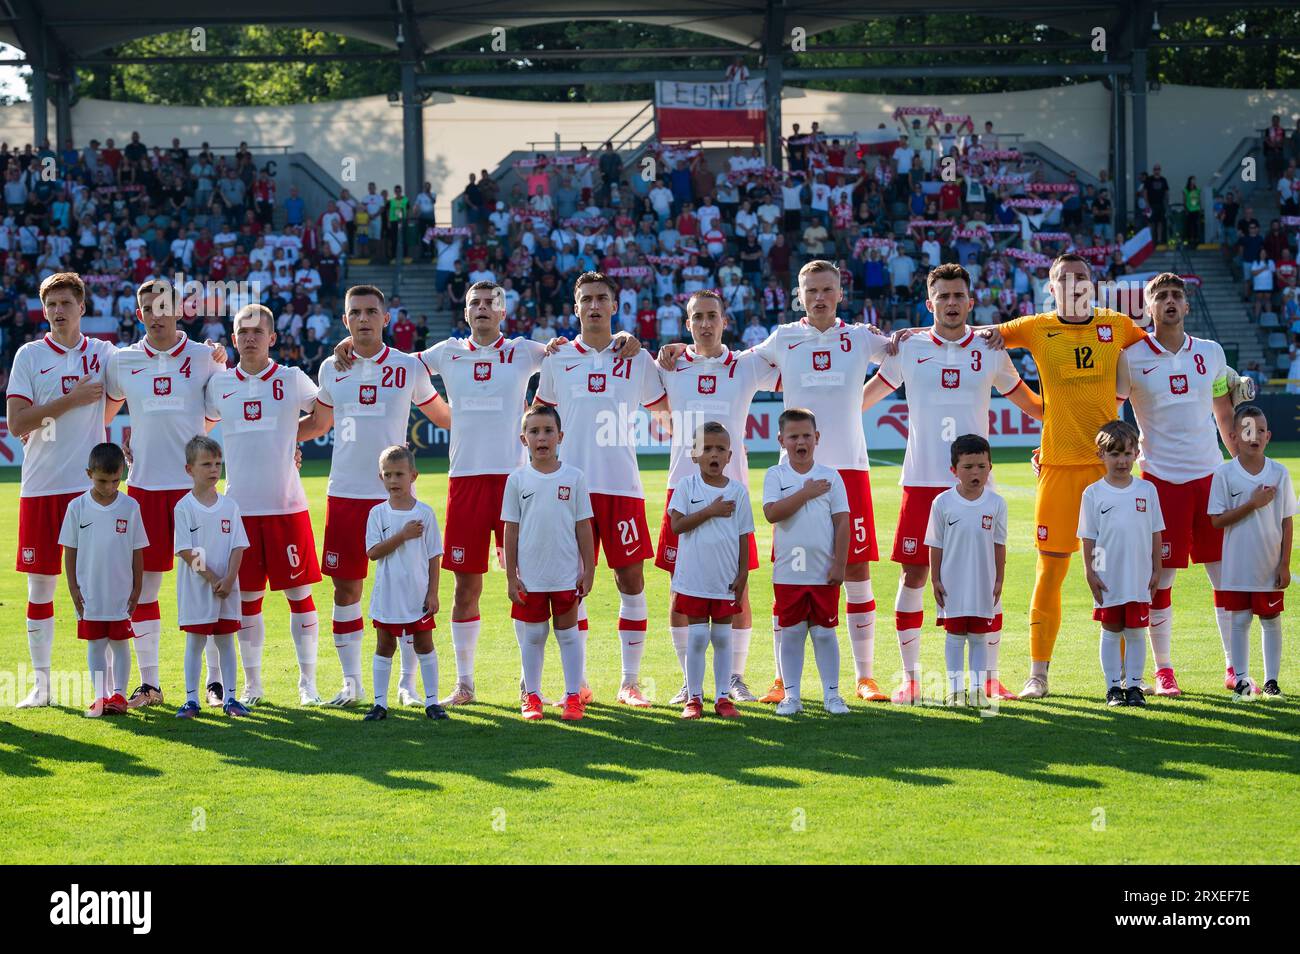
1077 349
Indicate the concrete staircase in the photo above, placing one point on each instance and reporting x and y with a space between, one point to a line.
1221 292
416 291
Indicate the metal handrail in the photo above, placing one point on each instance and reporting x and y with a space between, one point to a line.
1226 176
330 188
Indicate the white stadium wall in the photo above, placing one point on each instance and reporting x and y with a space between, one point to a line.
465 134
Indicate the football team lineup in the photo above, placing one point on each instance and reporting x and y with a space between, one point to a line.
551 494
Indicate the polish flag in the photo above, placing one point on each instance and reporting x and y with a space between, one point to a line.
1139 248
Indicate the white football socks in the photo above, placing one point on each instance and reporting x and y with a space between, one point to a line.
532 652
429 675
1112 661
195 649
464 639
826 650
681 638
1222 617
348 644
740 650
228 661
571 657
861 616
776 647
40 625
1241 642
304 627
382 669
1162 622
252 637
1135 655
1272 646
720 635
119 652
632 616
792 641
410 668
909 607
97 663
697 645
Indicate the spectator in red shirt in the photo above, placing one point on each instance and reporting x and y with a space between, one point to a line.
217 267
143 268
111 156
950 200
203 250
687 223
647 325
237 265
1285 273
1275 240
403 332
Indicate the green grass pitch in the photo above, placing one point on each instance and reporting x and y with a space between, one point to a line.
1059 780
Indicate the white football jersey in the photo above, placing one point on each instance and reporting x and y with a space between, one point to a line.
824 371
1252 547
546 507
164 396
805 541
597 394
1121 522
709 556
372 410
1173 399
55 458
967 531
948 394
215 532
719 389
259 415
487 389
105 539
402 577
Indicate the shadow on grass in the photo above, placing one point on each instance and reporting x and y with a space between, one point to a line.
1061 741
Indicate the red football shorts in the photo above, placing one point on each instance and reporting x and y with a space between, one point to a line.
1188 532
795 603
542 605
699 607
115 629
222 627
862 520
344 549
39 522
281 550
978 625
619 525
158 513
913 519
666 552
406 629
473 517
1266 604
1125 616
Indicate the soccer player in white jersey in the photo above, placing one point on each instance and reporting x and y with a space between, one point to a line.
809 508
210 543
402 538
597 393
368 406
1252 499
966 536
260 404
103 542
1177 385
55 403
714 525
948 374
1120 524
161 378
486 377
823 363
710 383
550 559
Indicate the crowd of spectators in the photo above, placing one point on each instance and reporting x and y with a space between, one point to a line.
884 212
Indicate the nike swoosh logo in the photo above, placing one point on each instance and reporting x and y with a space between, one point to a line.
194 529
1272 603
225 396
136 370
342 376
308 625
924 360
637 643
701 500
51 368
951 522
904 642
1107 509
795 345
294 576
85 525
783 487
1237 494
1147 370
1053 334
527 495
569 367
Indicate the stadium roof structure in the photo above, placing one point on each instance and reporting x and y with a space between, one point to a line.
56 36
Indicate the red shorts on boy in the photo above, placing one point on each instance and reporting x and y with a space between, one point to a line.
1125 616
1268 603
222 627
115 629
795 603
540 606
406 629
699 606
975 625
